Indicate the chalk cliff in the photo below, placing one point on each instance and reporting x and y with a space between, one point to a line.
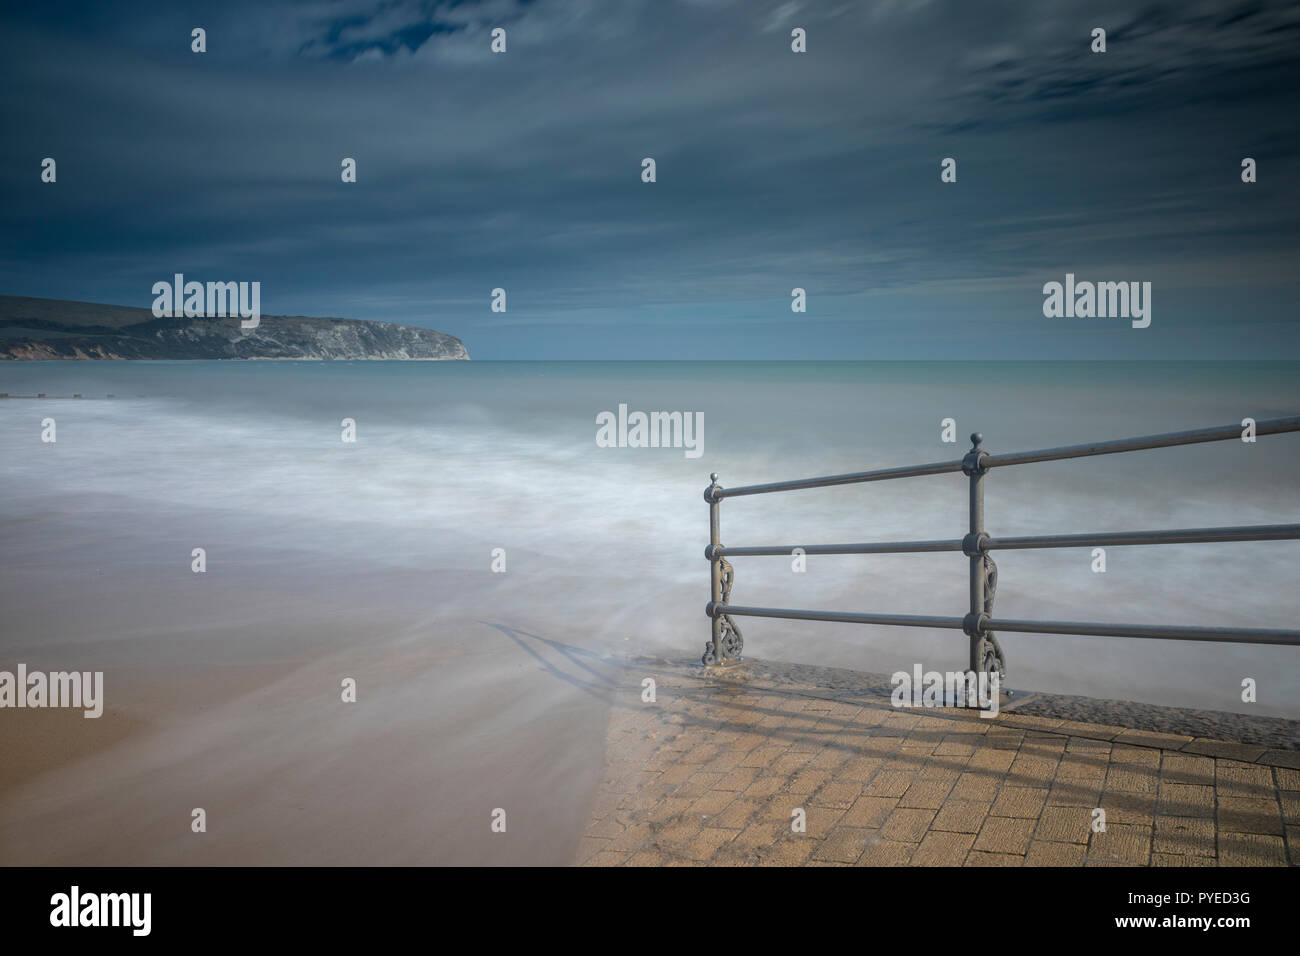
58 329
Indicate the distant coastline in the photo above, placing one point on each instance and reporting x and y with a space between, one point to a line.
35 329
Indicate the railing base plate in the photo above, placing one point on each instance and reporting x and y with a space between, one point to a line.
726 664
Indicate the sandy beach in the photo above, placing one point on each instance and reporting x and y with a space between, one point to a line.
441 735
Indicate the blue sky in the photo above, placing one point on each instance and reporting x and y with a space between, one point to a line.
776 170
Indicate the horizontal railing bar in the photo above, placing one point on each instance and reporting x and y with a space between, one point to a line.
1262 532
883 547
884 474
1223 433
1230 635
843 617
1269 427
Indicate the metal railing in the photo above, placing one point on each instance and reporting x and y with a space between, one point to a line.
979 624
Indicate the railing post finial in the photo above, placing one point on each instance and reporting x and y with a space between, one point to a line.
973 462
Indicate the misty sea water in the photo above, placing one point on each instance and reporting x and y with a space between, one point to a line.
604 546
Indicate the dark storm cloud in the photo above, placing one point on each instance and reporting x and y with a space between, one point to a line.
776 170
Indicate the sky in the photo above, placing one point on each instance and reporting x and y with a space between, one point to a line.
775 170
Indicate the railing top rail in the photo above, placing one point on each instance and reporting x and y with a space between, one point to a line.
883 474
1222 433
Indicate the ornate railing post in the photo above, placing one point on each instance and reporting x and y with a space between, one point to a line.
726 641
985 654
713 652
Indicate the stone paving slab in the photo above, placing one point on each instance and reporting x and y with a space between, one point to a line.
766 764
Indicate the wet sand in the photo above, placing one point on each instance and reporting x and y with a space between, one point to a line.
246 721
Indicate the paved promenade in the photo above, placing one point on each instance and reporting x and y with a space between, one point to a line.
714 771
